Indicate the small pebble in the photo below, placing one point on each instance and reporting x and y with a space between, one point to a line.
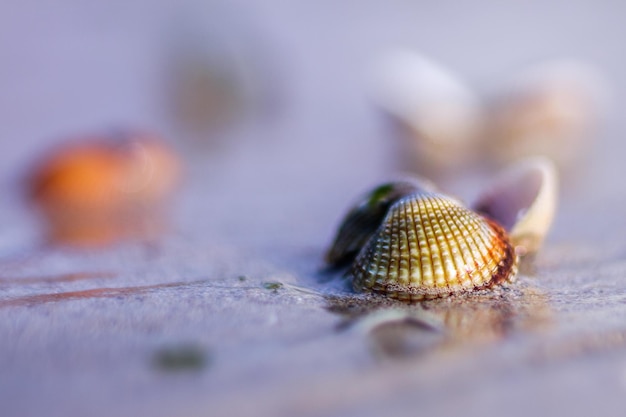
181 358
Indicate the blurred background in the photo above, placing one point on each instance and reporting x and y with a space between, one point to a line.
270 104
277 113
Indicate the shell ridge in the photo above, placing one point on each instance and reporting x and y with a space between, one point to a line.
425 250
401 251
409 202
409 257
443 224
501 237
393 262
482 247
497 250
381 257
462 267
417 230
470 259
507 267
453 246
486 241
371 254
359 268
376 260
435 253
464 250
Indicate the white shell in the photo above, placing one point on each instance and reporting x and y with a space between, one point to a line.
523 199
442 113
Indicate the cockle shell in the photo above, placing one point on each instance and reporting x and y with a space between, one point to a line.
411 242
430 245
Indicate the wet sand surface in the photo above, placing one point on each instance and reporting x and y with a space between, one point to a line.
230 312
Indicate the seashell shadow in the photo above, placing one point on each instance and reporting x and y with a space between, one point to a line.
396 330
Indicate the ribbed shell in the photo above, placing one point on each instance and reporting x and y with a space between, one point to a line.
429 245
364 218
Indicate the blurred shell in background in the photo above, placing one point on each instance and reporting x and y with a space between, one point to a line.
219 73
553 109
100 188
440 115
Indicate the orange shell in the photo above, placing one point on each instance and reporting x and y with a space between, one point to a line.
101 187
105 175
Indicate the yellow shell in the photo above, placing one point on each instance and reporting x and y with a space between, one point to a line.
430 245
